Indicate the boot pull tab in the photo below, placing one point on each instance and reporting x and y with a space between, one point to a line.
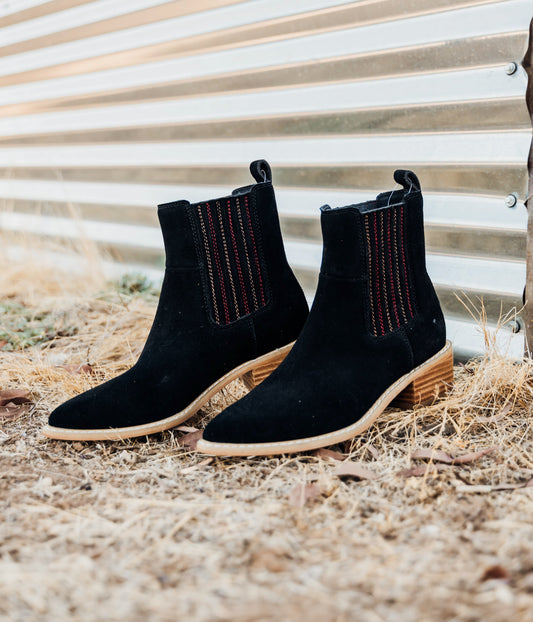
408 180
261 171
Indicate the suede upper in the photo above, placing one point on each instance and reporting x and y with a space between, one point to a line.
194 341
343 361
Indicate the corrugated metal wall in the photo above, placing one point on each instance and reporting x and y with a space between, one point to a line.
108 107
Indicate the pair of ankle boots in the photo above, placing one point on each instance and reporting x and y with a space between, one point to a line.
231 307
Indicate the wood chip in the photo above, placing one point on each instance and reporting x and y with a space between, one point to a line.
354 469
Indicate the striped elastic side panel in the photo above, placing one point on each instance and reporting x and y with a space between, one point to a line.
230 249
391 297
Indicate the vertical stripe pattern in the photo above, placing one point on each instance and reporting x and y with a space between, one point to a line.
230 251
389 290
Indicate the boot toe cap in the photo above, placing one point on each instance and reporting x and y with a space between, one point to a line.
73 415
250 422
225 428
277 412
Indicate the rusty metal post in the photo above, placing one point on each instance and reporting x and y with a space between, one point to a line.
528 311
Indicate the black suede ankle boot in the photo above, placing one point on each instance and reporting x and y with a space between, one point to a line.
230 306
375 334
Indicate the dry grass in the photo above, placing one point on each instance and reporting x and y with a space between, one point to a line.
128 531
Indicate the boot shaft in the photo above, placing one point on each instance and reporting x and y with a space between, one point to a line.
380 246
235 241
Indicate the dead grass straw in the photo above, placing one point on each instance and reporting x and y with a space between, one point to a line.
148 530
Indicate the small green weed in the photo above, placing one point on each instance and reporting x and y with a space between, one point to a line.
22 327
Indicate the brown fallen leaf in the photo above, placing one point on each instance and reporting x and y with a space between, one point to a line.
440 456
431 454
466 458
329 454
422 469
191 439
302 493
195 467
354 469
495 572
3 343
506 409
15 396
11 411
77 369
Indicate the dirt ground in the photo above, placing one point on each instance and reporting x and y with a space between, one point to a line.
148 530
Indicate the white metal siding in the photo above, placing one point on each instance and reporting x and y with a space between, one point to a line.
108 107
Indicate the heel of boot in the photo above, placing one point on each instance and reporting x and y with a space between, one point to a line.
434 382
256 376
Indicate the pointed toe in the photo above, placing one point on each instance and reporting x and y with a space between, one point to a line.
61 417
74 414
231 426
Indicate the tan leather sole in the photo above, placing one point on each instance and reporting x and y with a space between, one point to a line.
423 384
253 372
